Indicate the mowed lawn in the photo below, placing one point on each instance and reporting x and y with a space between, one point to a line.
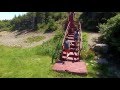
26 63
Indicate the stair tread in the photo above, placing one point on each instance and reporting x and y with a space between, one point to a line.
71 53
72 40
71 58
73 50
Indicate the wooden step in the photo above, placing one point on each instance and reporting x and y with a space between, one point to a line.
78 68
71 54
73 46
72 41
70 38
73 50
70 58
70 35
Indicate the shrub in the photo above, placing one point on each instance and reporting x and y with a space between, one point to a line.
87 55
48 48
51 27
34 39
90 55
90 20
110 33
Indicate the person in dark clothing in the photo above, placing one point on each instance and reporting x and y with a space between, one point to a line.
71 16
66 46
76 36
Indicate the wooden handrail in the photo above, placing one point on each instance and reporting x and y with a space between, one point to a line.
80 37
66 32
79 41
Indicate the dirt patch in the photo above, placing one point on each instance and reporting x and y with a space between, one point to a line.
93 38
12 39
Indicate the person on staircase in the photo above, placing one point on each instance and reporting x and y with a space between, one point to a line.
71 21
66 47
76 36
71 16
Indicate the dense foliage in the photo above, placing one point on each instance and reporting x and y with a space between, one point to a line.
90 20
34 21
4 25
110 33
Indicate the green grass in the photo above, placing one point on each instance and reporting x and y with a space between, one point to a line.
31 63
34 62
34 39
25 63
88 56
16 62
85 41
95 70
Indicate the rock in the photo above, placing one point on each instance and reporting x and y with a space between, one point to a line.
102 61
97 73
102 48
95 58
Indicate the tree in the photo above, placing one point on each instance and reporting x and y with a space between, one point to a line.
90 20
110 33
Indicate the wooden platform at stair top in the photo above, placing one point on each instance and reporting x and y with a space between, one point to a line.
70 67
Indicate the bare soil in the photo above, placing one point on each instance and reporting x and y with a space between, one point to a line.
13 39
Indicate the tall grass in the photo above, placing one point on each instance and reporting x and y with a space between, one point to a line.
34 39
88 56
48 48
86 53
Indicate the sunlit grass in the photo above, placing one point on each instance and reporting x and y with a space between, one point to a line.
34 39
25 63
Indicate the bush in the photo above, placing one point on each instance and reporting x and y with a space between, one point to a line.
48 48
110 33
5 25
90 20
90 55
5 29
87 55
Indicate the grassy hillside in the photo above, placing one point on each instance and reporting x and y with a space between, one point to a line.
26 63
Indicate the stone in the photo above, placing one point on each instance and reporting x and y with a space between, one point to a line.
102 61
102 48
95 58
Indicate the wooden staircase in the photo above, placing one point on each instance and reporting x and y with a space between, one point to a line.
73 55
73 64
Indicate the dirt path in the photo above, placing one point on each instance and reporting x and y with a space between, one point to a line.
10 39
93 38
